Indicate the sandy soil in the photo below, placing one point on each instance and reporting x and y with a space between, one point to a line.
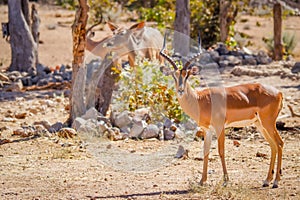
57 168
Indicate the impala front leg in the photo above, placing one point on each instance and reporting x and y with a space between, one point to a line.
221 149
206 148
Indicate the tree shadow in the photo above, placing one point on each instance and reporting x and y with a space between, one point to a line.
147 194
291 86
28 95
6 141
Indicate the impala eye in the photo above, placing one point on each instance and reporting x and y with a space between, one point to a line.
123 32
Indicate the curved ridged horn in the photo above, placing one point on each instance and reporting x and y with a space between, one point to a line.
168 58
187 64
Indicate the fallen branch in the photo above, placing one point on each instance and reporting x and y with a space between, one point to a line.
292 112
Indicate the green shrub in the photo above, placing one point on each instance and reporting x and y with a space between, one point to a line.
289 43
145 86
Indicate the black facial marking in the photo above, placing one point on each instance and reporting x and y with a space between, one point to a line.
180 78
272 171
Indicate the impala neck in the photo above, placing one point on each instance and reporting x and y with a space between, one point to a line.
95 47
188 99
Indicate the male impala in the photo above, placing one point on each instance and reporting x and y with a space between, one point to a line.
216 108
136 40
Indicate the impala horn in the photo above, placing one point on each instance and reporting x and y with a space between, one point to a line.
198 55
168 58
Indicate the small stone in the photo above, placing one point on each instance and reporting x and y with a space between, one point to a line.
24 132
56 127
3 77
296 68
261 155
222 49
180 152
168 123
263 58
168 134
33 110
15 86
44 123
42 82
21 115
249 60
67 133
236 143
8 119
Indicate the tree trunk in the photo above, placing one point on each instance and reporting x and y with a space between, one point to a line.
35 30
25 10
182 27
277 32
224 28
105 89
22 43
79 37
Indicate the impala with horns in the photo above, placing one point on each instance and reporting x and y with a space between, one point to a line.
138 40
216 108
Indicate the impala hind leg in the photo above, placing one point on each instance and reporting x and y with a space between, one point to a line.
221 149
273 153
272 130
268 128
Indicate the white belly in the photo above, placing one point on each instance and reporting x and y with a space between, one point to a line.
242 123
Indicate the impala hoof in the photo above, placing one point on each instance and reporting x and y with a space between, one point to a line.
226 180
225 184
266 184
201 182
275 184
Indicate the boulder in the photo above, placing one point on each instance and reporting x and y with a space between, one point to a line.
151 131
296 68
263 58
56 127
168 134
167 124
249 60
123 119
78 122
137 129
91 113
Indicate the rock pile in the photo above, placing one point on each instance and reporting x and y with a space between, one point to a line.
16 81
221 57
127 125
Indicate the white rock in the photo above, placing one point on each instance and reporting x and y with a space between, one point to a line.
92 113
137 129
78 122
151 131
123 119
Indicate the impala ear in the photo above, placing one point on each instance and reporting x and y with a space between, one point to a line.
112 26
138 25
195 70
165 70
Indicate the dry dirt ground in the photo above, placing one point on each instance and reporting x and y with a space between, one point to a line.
54 168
